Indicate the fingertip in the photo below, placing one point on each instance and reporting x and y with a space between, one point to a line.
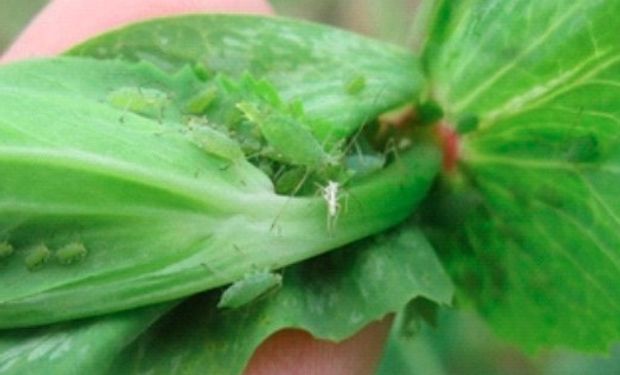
295 352
64 23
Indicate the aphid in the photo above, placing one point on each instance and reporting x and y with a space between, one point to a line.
291 142
364 164
37 257
331 195
71 253
215 142
201 71
144 101
252 287
428 113
199 103
6 249
356 85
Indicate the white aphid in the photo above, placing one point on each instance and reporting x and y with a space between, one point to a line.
331 195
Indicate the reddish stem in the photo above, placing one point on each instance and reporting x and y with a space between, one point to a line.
449 141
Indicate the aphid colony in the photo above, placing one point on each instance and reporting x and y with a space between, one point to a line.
40 254
245 119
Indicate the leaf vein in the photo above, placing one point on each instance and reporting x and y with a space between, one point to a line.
485 85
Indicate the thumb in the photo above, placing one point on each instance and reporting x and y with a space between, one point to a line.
64 23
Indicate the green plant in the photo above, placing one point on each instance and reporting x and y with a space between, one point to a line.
162 162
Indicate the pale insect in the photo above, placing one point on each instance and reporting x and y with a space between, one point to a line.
359 165
331 194
6 249
250 288
37 257
71 253
292 143
143 101
296 145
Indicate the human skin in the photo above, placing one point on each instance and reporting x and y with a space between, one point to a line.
64 23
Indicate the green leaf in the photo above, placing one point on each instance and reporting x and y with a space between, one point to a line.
82 347
411 356
159 217
332 296
530 225
105 166
308 62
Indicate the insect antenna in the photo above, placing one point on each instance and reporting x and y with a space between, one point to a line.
296 190
353 140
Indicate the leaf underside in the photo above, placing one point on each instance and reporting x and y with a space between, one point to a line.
73 348
124 184
305 61
146 201
332 297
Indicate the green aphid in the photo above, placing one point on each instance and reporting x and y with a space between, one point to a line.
6 249
202 72
289 140
71 253
249 289
144 101
365 164
429 113
260 89
215 142
37 257
199 103
356 85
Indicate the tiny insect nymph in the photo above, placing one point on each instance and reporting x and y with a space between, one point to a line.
331 195
250 288
71 253
37 257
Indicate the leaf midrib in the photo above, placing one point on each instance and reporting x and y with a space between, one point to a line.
555 86
78 160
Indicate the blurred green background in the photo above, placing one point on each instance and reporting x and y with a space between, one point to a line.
461 344
14 15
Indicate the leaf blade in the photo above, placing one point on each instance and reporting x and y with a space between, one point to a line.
111 178
308 62
332 297
535 240
75 347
